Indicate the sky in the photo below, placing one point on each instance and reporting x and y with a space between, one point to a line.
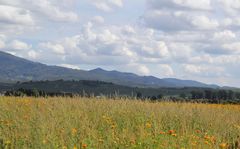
185 39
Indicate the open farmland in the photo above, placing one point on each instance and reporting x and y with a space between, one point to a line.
74 123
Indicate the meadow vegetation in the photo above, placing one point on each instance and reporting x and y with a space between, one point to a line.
77 123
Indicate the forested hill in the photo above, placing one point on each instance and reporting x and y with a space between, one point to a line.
14 69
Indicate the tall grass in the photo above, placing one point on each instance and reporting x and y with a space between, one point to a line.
102 124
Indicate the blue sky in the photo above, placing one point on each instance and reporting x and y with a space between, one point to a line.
186 39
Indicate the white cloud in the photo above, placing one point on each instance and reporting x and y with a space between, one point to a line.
39 8
143 70
232 47
19 45
2 44
2 41
165 70
225 35
56 48
70 66
204 70
155 49
203 4
14 15
98 19
55 13
203 22
32 54
107 5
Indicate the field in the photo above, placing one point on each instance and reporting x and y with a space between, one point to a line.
67 123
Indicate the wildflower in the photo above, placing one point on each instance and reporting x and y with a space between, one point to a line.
207 137
213 139
161 132
148 125
171 132
206 142
223 145
194 143
113 126
84 145
198 131
74 131
75 147
174 134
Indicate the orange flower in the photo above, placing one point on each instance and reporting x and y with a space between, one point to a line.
206 142
198 131
84 145
161 132
171 132
207 137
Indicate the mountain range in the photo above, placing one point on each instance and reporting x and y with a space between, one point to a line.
13 69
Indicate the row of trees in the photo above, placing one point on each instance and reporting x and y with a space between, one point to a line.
215 95
35 93
207 95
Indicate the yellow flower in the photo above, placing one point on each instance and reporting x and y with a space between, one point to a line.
148 125
75 147
174 135
223 145
74 131
113 126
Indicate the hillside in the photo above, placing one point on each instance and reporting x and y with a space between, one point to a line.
13 68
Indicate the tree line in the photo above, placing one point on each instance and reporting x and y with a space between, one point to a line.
206 95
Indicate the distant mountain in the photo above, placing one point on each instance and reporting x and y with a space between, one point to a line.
13 68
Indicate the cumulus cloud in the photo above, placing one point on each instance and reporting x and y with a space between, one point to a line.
205 71
70 66
98 19
39 8
107 5
19 45
165 70
55 48
225 35
14 15
32 54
